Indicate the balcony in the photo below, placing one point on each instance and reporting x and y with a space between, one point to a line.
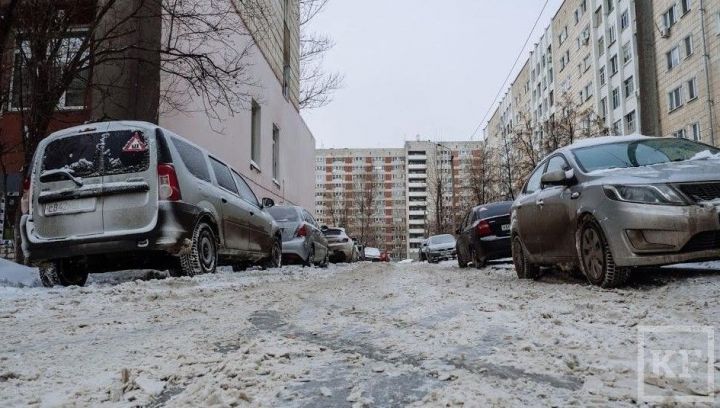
417 185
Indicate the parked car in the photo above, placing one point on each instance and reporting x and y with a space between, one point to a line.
372 254
607 205
358 252
121 195
440 247
484 234
341 246
422 251
303 242
384 256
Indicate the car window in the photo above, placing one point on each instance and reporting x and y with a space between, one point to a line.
557 163
193 158
283 214
533 183
309 218
223 176
246 192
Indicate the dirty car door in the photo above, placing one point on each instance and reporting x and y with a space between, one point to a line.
528 214
68 186
259 222
234 218
556 219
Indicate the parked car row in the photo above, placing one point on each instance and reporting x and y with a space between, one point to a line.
602 208
122 195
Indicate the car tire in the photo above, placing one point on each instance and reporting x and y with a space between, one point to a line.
479 261
326 261
462 263
275 259
310 261
202 255
596 259
523 267
58 273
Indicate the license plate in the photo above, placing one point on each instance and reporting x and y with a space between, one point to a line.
506 227
71 206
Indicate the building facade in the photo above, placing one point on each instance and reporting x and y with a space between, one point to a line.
631 66
264 137
395 198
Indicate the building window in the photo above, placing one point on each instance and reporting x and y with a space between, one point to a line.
692 89
625 20
629 86
74 95
601 46
609 6
588 90
255 124
612 35
613 65
684 6
276 153
695 127
603 108
616 127
675 99
680 134
630 123
669 17
615 98
688 43
673 57
627 52
602 76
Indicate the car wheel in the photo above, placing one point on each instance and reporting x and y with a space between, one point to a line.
523 267
311 257
478 259
462 263
326 261
202 256
275 259
57 273
596 260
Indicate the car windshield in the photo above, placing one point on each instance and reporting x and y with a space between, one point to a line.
639 153
442 239
283 214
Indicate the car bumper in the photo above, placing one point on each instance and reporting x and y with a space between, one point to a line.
341 250
447 254
494 247
296 249
650 235
170 234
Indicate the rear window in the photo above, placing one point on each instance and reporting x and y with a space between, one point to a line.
283 214
193 158
442 239
492 210
98 154
332 232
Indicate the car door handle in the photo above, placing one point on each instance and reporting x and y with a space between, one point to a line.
224 200
540 203
252 213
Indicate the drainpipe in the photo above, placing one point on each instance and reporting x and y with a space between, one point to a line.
706 60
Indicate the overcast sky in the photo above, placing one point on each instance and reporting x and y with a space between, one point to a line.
427 67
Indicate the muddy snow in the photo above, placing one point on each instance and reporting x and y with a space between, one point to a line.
350 335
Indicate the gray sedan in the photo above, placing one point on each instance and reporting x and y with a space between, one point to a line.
607 205
303 242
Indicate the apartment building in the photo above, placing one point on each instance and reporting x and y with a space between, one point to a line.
265 138
395 198
687 46
639 66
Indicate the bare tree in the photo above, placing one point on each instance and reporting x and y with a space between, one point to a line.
317 86
365 187
483 175
440 181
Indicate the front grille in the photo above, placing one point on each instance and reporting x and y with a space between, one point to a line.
703 241
701 191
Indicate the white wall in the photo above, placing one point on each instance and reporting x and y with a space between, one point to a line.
229 137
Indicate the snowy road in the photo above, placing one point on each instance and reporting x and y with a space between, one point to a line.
351 335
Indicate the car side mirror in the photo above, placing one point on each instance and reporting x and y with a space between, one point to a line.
268 202
458 231
557 178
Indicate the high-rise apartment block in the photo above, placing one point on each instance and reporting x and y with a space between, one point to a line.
638 66
395 198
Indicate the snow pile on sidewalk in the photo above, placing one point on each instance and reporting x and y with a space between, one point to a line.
16 275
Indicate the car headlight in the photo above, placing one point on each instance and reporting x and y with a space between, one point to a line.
660 194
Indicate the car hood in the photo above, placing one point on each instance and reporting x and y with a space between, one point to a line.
441 247
675 172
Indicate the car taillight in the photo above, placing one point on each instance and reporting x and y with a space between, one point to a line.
26 183
168 186
301 231
483 228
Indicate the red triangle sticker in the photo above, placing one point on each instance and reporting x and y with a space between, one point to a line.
135 144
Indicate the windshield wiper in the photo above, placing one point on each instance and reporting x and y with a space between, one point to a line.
61 172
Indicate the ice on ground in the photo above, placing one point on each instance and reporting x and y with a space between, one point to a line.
16 275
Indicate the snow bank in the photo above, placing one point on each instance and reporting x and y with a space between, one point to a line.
16 275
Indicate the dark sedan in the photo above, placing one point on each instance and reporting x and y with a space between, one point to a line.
484 234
